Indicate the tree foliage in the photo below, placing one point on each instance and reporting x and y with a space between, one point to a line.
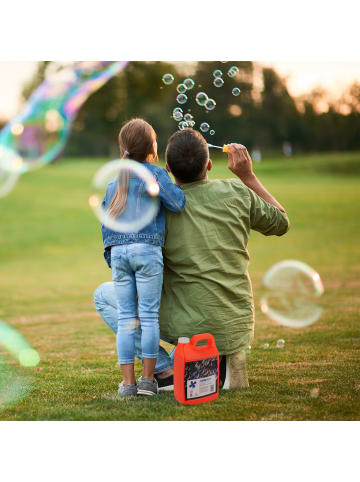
262 119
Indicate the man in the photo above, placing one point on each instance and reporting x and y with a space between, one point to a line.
206 283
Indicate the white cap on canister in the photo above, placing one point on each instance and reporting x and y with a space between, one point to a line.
183 339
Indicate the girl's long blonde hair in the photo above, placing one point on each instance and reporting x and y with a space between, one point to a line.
136 142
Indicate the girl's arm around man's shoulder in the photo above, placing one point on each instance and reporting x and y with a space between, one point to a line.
171 195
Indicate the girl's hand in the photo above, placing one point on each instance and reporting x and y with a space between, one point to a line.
239 162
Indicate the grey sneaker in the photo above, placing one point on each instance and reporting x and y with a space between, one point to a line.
127 390
147 386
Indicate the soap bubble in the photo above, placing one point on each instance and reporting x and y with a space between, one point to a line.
189 83
266 346
236 91
168 79
210 104
218 82
233 71
212 132
291 290
181 88
280 343
183 125
39 133
204 127
314 393
191 123
138 212
201 98
14 386
181 98
217 73
188 117
7 181
177 114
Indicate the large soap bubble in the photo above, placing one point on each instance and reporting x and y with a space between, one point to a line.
138 212
14 386
7 180
291 291
201 98
39 133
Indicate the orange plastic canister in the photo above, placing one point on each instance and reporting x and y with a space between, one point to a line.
196 370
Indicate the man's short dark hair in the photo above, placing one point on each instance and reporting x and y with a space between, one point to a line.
187 154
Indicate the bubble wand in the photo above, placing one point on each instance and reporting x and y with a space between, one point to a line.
224 148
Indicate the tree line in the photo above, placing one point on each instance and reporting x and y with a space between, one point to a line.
262 117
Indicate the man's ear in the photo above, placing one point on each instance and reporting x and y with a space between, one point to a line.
210 165
167 167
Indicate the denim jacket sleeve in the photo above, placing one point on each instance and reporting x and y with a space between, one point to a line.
171 195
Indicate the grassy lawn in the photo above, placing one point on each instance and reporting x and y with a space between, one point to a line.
51 262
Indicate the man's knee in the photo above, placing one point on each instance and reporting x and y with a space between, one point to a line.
98 297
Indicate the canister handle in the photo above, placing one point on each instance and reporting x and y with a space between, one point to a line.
203 336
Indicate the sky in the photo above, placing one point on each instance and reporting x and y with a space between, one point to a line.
301 77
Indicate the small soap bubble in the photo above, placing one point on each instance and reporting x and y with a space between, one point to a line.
181 88
236 91
210 104
177 116
212 132
182 125
218 82
314 393
204 127
280 343
191 123
135 214
189 83
201 98
266 346
188 117
181 98
217 73
233 71
168 79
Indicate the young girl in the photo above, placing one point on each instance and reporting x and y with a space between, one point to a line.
136 258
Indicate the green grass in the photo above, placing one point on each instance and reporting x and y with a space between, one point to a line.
51 262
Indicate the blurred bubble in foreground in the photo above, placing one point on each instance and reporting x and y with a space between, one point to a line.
14 386
212 132
137 213
280 343
266 346
236 91
291 292
39 133
7 180
181 88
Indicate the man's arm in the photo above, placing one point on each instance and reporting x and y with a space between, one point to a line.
240 164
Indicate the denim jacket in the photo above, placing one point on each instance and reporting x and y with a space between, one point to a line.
171 196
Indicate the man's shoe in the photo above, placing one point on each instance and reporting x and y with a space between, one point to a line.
145 386
165 384
127 390
235 372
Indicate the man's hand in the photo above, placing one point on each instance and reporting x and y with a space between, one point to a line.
240 162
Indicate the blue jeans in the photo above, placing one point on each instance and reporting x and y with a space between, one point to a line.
137 272
106 306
